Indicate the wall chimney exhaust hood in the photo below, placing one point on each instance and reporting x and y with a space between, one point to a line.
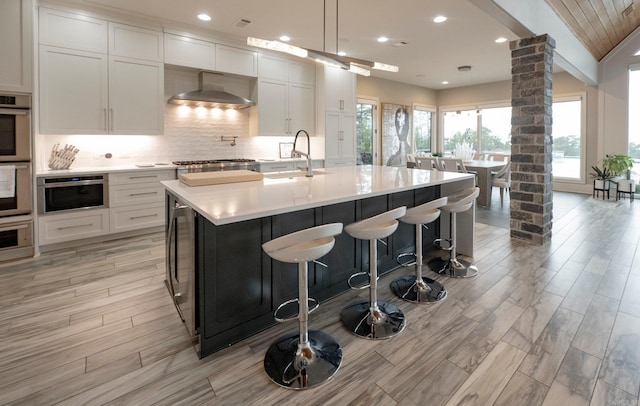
210 95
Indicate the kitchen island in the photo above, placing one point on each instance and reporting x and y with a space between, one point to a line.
237 286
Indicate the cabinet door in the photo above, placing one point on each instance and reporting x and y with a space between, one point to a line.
340 90
272 108
74 31
344 258
348 135
301 108
73 92
236 60
270 67
136 96
16 33
301 73
183 51
135 42
332 137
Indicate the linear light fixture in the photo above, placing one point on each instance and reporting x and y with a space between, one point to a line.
358 66
277 46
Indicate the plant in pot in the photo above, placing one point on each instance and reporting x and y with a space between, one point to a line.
602 178
620 166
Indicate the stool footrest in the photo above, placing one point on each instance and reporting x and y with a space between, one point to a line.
357 274
406 263
313 305
440 243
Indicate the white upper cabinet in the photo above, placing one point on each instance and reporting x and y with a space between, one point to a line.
136 99
236 60
337 115
15 47
195 53
97 77
135 42
285 97
191 52
73 31
73 91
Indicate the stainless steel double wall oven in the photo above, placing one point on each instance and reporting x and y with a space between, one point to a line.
16 207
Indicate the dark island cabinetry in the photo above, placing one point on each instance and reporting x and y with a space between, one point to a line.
238 286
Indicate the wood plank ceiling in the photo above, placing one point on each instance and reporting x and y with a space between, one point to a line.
599 24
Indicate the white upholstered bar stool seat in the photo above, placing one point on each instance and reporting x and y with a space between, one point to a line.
417 288
309 358
453 266
373 318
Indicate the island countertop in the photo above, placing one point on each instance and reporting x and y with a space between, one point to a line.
285 192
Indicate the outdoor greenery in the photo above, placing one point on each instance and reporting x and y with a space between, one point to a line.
569 144
488 141
364 120
422 130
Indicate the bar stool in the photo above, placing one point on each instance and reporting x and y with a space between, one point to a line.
374 319
417 288
308 358
453 266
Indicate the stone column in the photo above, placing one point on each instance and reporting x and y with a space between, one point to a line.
531 140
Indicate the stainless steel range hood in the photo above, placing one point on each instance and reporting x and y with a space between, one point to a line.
209 95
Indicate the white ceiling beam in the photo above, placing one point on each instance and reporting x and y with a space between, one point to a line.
535 17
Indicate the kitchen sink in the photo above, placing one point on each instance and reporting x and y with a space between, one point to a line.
293 174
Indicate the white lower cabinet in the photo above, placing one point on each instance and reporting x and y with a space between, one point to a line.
74 225
136 202
129 218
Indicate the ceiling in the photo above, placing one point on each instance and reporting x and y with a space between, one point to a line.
427 53
431 55
599 24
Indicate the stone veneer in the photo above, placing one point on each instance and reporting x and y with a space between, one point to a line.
531 139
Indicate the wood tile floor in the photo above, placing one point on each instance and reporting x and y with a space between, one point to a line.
551 325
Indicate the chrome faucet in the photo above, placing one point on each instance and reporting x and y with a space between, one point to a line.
297 154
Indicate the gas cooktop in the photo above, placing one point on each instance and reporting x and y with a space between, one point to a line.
211 161
211 165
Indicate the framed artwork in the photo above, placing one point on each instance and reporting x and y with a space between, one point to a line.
396 127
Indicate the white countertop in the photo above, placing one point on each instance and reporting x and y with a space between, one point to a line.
102 169
277 194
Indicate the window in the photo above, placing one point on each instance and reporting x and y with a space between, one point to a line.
567 138
367 131
422 128
458 127
634 118
495 130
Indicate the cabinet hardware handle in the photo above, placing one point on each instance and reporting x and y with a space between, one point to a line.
143 193
13 112
106 119
78 226
17 166
112 119
141 217
341 104
20 227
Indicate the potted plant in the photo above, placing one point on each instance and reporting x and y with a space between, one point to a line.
620 166
601 180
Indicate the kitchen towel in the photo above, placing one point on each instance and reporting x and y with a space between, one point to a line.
7 181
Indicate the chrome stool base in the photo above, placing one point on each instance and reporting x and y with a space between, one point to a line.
454 268
425 291
386 322
303 368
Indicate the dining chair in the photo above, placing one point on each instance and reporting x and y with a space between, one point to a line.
502 179
430 163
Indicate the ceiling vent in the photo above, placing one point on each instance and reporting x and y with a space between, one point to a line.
241 23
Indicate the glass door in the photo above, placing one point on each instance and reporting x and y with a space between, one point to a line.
367 139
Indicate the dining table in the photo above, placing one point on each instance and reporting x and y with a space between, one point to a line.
484 169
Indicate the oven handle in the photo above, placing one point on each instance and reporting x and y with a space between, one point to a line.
14 112
19 227
17 166
77 183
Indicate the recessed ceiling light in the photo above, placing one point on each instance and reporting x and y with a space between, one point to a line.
285 38
440 19
204 17
445 82
342 53
383 39
501 40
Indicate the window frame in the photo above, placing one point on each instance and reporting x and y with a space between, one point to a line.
434 117
582 97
